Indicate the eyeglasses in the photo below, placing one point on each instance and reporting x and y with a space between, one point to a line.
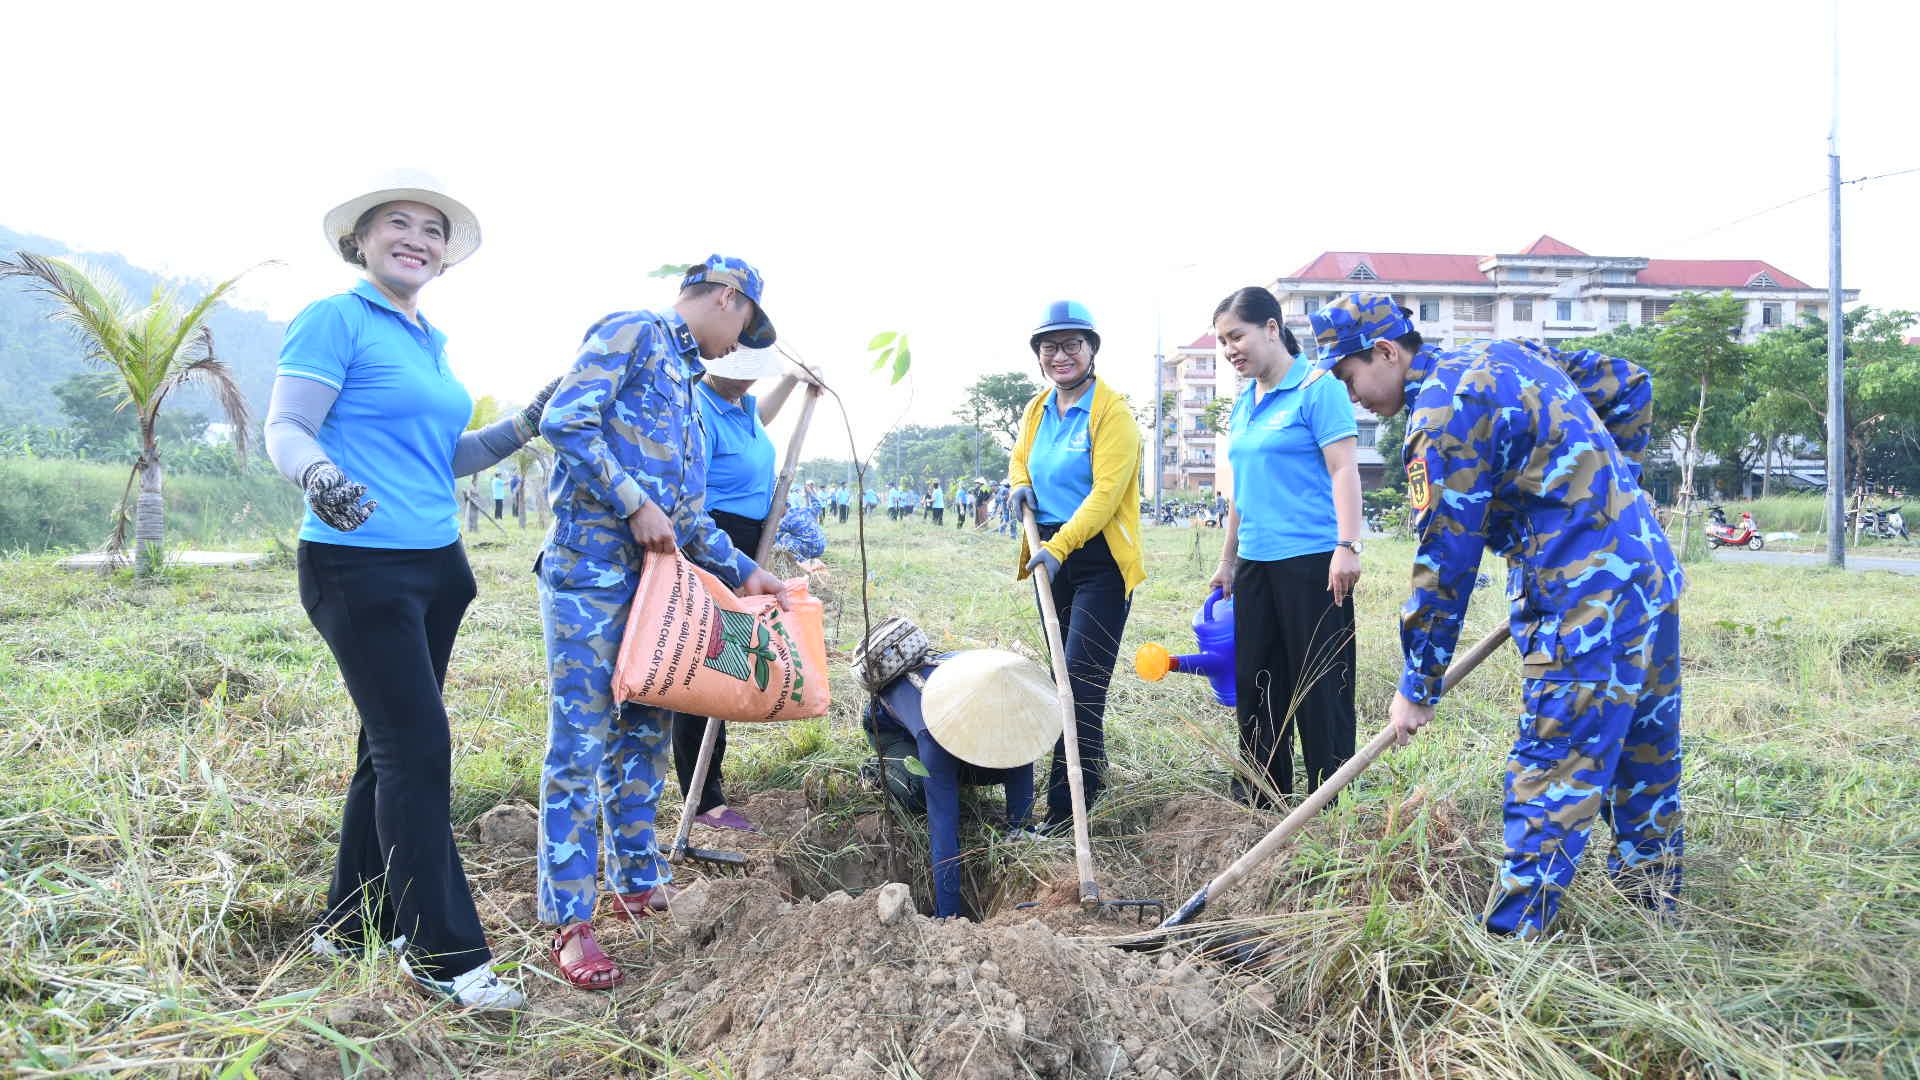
1072 347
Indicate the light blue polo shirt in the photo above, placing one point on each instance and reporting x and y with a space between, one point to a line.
1061 459
1280 481
739 455
395 424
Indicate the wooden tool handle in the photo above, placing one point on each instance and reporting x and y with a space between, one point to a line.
1069 727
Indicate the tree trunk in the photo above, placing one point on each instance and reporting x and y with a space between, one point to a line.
539 496
473 504
1686 466
1766 469
150 515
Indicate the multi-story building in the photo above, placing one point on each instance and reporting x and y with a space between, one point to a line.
1550 291
1193 454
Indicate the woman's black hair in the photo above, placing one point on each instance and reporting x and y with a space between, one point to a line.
1256 305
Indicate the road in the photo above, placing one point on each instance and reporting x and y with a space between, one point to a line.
1819 560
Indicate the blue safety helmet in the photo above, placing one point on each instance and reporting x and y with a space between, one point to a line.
1066 315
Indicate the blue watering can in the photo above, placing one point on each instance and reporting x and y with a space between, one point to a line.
1213 627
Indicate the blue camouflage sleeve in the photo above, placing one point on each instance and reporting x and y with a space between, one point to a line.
1451 472
573 420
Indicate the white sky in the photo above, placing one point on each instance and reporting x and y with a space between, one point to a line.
946 170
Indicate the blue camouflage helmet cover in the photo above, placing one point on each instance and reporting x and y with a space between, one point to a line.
1065 315
1355 322
739 273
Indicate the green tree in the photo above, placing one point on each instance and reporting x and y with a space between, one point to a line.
153 350
1697 346
1882 393
104 428
996 403
1214 416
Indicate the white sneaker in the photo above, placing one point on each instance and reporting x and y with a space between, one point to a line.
479 988
319 944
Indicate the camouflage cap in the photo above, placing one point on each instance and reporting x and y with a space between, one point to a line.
1354 322
739 273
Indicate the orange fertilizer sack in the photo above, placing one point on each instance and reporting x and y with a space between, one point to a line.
693 646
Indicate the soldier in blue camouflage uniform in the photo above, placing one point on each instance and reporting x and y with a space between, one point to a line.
1534 453
630 478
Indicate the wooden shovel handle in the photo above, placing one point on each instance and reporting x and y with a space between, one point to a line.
1069 728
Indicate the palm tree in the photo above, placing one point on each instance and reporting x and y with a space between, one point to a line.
153 350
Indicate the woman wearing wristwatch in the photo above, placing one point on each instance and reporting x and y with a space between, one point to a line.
1292 553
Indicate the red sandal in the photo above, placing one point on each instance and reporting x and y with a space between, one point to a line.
594 970
629 907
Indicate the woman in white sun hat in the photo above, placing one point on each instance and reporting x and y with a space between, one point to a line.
368 419
741 464
980 717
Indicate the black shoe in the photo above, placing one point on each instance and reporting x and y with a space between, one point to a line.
1248 795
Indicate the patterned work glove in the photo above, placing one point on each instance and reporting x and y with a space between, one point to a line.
527 425
335 499
1043 557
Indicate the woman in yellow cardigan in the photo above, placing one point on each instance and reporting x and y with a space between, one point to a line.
1077 464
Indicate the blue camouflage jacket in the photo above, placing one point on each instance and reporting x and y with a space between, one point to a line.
626 431
1505 452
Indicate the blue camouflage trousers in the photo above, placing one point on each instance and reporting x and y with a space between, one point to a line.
1588 750
604 764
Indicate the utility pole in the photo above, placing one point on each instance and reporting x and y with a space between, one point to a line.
1836 335
1159 421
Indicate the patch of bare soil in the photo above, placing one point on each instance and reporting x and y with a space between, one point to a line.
854 986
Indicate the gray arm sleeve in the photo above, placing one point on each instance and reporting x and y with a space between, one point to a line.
487 447
294 415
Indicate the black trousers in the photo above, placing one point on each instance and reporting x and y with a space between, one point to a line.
688 729
844 507
938 513
390 617
1091 597
1294 660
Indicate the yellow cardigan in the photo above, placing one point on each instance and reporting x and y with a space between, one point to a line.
1112 508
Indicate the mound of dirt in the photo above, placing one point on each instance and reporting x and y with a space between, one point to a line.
856 986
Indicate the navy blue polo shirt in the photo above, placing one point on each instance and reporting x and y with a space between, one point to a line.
1280 481
739 455
395 424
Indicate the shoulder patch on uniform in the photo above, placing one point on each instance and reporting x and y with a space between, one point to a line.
1419 491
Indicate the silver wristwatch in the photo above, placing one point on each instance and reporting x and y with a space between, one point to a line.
1350 545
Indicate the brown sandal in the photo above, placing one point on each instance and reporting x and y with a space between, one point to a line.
594 970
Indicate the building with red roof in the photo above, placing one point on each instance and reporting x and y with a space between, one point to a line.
1549 290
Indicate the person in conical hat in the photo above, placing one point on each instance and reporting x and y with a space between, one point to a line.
976 718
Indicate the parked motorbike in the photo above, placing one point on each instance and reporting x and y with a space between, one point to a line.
1746 534
1883 523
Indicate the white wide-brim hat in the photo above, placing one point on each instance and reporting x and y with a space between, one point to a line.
991 708
463 228
747 364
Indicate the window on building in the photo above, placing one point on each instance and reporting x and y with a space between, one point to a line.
1309 305
1762 280
1473 309
1362 272
1367 435
1616 311
1523 311
1652 311
1563 272
1617 277
1769 314
1563 310
1429 311
1518 273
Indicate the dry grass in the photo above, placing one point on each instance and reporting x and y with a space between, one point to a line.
174 754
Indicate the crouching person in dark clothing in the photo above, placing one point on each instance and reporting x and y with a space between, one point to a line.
977 718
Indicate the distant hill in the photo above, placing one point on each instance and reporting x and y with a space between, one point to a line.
36 353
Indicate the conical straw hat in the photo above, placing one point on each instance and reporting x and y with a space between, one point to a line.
991 708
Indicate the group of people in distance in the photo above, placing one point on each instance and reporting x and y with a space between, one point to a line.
661 447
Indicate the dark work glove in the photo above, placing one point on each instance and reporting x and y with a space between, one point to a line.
529 421
1019 497
336 499
1043 557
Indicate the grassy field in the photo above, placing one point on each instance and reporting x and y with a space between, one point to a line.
173 756
50 505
